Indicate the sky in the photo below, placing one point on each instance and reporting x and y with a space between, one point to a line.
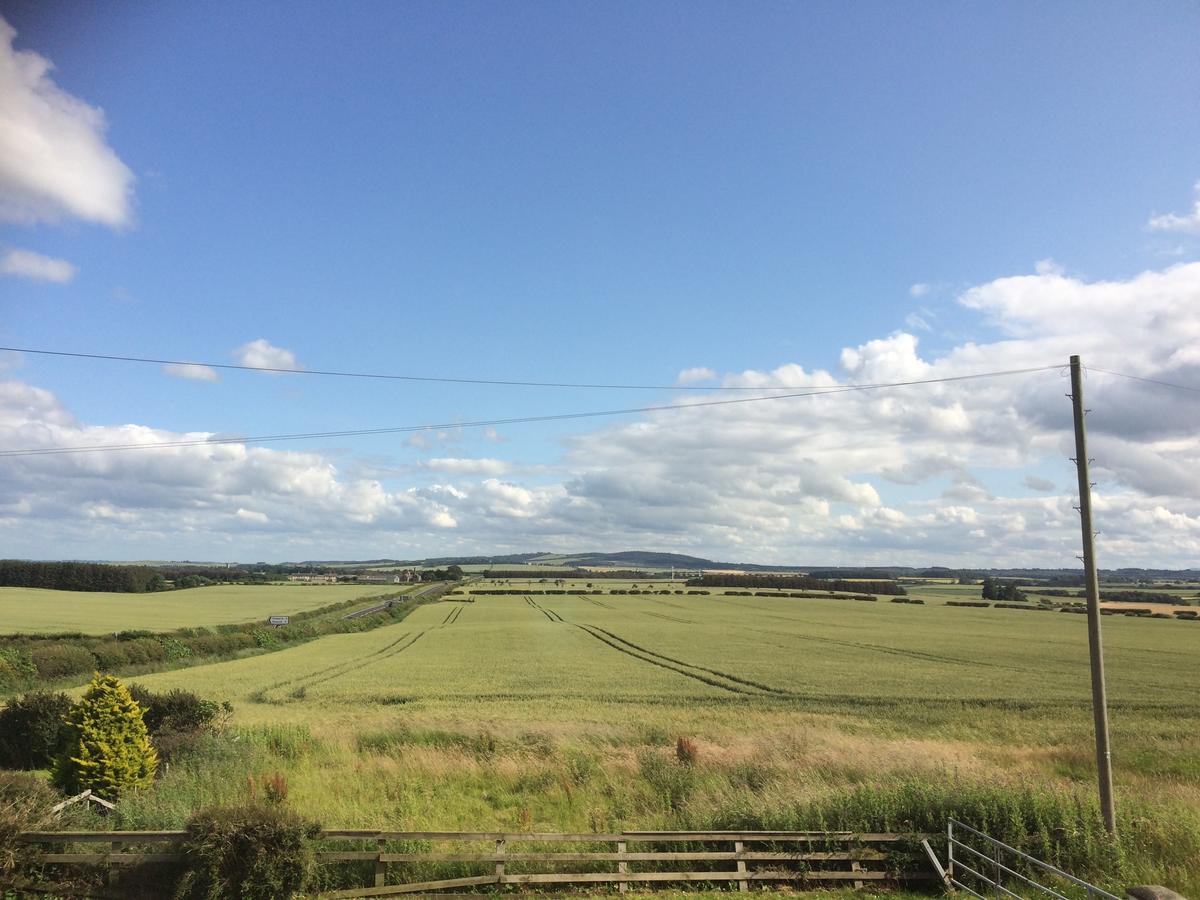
707 201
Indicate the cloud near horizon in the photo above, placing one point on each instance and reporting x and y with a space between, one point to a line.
961 472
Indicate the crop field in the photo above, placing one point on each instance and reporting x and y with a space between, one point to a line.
545 712
810 653
34 610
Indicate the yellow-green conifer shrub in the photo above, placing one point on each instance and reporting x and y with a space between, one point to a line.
108 748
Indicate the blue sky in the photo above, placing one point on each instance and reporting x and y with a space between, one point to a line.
595 192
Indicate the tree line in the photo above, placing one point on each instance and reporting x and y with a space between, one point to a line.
801 582
79 576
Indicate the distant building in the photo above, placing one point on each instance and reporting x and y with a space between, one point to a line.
313 579
379 578
408 575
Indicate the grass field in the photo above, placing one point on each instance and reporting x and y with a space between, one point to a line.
34 610
554 712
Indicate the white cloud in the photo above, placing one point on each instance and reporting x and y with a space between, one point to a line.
191 371
53 157
27 264
249 515
1189 223
695 375
460 466
261 354
920 289
931 473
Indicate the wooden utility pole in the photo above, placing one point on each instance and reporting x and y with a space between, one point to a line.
1092 587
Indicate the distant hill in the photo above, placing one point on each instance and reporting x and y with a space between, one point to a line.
635 560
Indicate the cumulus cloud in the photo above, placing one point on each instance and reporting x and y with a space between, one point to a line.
262 354
27 264
1188 222
199 495
191 372
54 161
695 375
930 473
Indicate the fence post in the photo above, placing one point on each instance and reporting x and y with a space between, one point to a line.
112 866
500 845
622 868
380 865
950 848
743 884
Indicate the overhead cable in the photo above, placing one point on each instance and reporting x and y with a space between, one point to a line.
1170 384
436 379
521 420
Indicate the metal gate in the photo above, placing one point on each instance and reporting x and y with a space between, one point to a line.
987 868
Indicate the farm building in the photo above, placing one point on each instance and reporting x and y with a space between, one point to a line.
380 578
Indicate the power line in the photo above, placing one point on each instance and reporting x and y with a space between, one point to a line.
436 379
1170 384
521 420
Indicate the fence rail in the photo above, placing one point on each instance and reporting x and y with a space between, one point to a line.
854 858
989 864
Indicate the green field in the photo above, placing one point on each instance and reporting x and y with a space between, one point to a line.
33 610
562 712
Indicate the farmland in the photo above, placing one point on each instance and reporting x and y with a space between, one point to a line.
562 711
45 611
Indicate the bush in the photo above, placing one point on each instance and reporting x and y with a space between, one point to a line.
25 803
110 655
107 747
16 668
249 852
33 729
176 710
59 660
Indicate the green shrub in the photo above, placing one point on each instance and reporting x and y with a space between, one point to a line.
33 729
249 853
107 747
60 660
110 655
16 668
177 710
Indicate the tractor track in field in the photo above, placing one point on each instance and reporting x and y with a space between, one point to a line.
452 616
721 681
343 668
594 601
674 605
548 613
646 612
734 678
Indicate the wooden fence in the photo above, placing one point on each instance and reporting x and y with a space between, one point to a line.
401 861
